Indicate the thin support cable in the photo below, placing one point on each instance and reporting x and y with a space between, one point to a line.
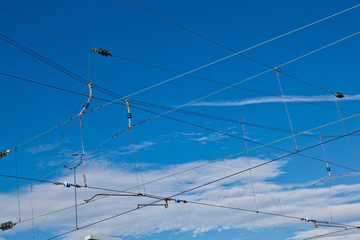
343 127
136 159
285 219
32 212
329 200
287 111
76 212
17 185
247 156
83 151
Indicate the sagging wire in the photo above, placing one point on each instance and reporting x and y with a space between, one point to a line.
242 123
287 111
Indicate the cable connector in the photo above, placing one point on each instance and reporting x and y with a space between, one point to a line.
4 153
7 225
339 95
102 52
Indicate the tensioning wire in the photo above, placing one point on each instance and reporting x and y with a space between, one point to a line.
174 174
240 53
206 184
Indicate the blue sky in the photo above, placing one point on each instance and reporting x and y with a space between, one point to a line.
165 146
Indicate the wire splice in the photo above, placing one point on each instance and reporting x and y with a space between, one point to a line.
339 95
102 52
7 225
4 153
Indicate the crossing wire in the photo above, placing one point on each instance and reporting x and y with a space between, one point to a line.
205 184
180 110
241 52
189 169
208 95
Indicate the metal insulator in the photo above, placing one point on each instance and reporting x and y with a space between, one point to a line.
177 200
129 115
339 95
7 225
328 169
86 105
67 184
4 153
307 219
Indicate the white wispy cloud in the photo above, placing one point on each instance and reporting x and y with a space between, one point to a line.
43 147
142 146
288 98
182 218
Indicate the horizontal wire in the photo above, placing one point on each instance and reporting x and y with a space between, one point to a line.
217 180
203 185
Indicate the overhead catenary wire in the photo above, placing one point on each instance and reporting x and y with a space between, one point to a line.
208 95
241 52
208 183
250 124
206 38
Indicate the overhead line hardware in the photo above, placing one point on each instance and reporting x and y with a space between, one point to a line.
4 153
7 225
102 52
339 95
86 105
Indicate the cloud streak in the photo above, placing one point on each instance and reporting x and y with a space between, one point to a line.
262 100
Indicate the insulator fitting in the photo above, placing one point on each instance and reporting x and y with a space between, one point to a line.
102 52
328 169
129 115
7 225
339 95
4 153
177 200
306 219
86 105
67 184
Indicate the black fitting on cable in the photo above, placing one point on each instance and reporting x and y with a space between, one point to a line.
4 153
7 225
102 52
339 95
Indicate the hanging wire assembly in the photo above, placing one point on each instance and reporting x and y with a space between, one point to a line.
102 52
129 115
4 153
7 225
